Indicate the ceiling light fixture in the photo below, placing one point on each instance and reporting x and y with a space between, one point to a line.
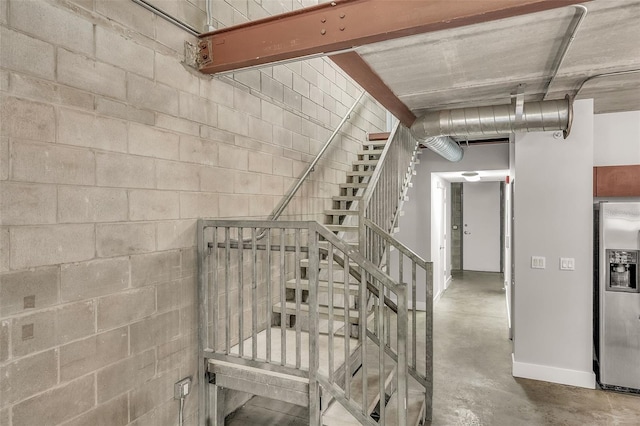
471 176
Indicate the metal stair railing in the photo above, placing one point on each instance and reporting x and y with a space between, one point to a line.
382 200
400 262
284 202
379 210
239 282
389 299
277 212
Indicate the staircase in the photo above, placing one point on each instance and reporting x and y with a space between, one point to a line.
317 315
342 220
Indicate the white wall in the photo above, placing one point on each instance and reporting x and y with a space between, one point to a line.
553 218
440 191
616 139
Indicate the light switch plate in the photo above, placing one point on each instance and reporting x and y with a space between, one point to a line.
538 262
567 264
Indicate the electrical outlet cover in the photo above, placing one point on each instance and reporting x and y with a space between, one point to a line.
538 262
567 264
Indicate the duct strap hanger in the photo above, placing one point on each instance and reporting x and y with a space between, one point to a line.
519 104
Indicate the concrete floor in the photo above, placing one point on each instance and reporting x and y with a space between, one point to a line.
472 375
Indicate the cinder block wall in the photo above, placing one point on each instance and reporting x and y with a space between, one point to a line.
110 149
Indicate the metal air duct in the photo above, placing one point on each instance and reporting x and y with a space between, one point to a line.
445 146
437 129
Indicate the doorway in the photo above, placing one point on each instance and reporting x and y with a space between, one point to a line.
481 245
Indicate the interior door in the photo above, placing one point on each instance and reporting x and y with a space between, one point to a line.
481 226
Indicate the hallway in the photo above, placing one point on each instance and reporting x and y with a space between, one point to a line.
473 384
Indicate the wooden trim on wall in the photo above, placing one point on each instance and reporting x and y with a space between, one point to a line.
616 181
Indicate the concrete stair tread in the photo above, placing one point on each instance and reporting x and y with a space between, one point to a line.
369 152
338 286
342 228
346 197
341 212
323 311
353 185
365 162
359 173
290 348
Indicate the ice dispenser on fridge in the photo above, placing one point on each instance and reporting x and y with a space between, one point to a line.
623 270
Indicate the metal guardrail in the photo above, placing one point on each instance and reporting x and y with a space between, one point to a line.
401 263
378 213
382 200
239 284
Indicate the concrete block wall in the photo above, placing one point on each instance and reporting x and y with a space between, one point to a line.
110 149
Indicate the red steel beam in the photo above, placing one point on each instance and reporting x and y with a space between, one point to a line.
344 24
361 72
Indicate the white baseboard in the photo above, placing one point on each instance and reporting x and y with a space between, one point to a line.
583 379
447 282
438 296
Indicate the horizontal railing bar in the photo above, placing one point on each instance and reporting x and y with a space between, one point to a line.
397 244
261 247
261 364
269 224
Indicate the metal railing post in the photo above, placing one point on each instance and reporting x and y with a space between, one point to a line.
429 343
203 323
402 329
314 335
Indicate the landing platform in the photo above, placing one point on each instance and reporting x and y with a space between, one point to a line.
259 379
288 357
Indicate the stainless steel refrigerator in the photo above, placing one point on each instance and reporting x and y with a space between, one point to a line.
619 296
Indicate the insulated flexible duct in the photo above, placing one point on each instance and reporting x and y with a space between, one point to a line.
437 129
445 147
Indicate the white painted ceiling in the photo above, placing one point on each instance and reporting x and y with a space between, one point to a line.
483 64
